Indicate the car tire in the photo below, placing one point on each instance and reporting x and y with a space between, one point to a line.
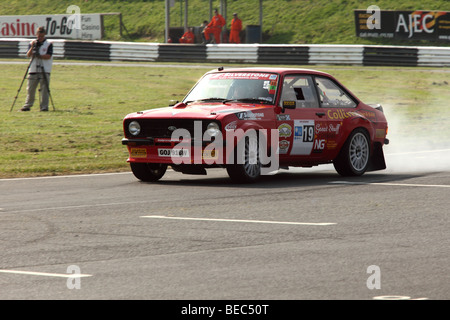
354 157
148 172
250 170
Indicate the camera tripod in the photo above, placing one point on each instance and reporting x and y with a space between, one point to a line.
43 74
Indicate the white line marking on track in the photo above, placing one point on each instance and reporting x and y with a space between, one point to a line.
46 274
398 298
244 221
392 184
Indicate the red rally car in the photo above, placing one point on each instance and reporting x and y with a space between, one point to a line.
253 121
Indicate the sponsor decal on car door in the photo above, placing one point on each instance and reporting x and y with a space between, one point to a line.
303 125
303 137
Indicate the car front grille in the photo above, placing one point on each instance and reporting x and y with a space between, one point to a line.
163 128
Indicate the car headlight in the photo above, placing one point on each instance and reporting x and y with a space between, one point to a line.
134 128
212 129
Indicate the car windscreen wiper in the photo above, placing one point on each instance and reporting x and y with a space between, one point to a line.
259 100
211 99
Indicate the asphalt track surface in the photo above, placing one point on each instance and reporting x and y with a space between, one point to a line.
297 235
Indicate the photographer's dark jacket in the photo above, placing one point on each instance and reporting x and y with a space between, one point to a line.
45 47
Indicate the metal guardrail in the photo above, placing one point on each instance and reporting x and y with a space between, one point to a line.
363 55
433 56
382 56
283 54
187 53
22 47
243 53
336 54
131 51
9 49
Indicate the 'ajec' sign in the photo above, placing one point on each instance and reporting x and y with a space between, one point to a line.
65 26
405 25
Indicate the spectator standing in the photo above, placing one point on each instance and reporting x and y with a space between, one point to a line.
236 27
188 36
215 27
41 52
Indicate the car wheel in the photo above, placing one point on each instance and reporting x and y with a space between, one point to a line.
148 172
250 169
353 159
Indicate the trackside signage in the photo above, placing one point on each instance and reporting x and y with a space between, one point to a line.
404 25
65 26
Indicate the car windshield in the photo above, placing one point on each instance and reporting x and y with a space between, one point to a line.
257 87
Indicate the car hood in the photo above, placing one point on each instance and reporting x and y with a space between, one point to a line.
199 110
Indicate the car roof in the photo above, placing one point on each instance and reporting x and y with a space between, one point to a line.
278 70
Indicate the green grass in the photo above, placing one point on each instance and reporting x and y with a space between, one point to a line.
285 21
84 134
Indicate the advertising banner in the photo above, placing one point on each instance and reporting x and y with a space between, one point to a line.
404 25
63 26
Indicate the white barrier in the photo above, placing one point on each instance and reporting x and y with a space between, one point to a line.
232 53
58 48
336 54
241 53
434 56
123 51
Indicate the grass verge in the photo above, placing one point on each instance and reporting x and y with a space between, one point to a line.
83 134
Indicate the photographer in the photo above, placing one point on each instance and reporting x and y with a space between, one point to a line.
41 52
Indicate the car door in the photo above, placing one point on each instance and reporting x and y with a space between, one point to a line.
302 125
337 105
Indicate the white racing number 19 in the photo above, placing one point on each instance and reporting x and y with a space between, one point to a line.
308 135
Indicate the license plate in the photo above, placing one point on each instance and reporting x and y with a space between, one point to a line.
180 153
138 153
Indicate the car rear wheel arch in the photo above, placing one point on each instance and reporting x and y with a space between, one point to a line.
354 156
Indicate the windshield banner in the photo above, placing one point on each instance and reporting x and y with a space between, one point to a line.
243 75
